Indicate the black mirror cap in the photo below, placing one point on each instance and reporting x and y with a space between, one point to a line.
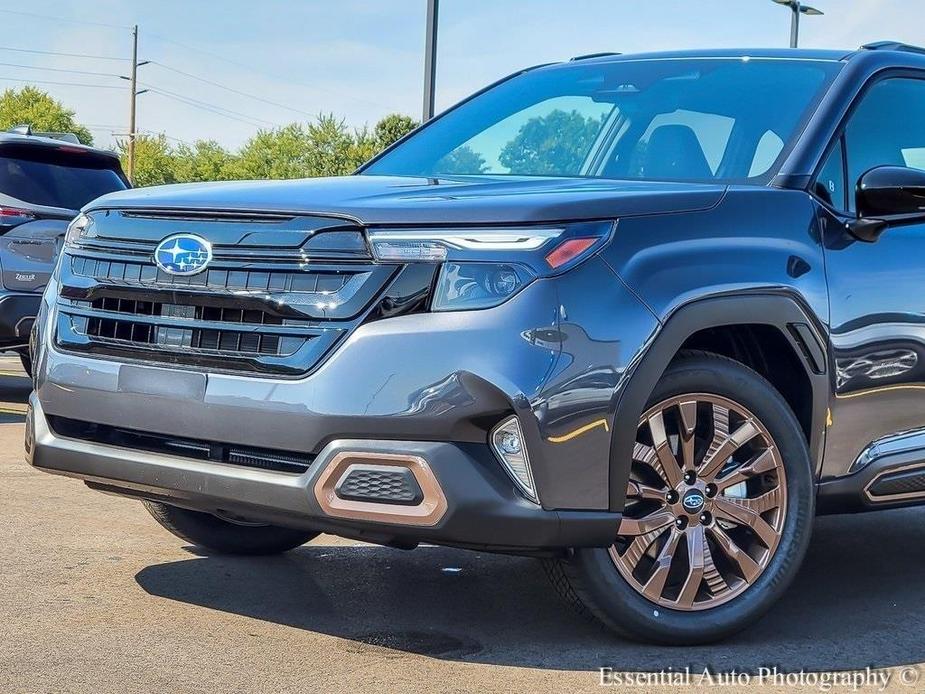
887 191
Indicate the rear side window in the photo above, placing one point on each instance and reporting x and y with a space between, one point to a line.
41 181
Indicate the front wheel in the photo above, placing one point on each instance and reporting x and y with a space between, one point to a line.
224 537
26 359
718 513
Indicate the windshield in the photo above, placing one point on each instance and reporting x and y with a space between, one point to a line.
38 180
698 119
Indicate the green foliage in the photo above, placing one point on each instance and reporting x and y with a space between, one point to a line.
392 128
204 160
31 106
462 160
324 147
155 160
554 144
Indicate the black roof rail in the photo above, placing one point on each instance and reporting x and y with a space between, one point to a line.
593 55
27 130
893 46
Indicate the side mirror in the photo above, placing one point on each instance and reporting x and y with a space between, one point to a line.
887 193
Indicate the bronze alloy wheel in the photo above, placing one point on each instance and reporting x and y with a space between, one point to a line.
705 506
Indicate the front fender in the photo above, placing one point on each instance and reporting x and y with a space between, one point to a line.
777 308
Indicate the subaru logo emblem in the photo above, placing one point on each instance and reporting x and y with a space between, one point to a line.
692 501
183 254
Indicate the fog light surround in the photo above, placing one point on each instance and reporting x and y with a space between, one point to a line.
507 442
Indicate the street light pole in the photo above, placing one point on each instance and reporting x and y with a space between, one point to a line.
430 59
797 8
795 25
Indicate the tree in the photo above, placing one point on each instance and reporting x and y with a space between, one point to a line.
278 153
31 106
155 160
330 147
324 147
554 144
462 160
204 160
392 128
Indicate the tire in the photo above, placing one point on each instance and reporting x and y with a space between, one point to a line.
26 362
604 583
218 536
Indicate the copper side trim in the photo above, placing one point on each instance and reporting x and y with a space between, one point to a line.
890 498
429 512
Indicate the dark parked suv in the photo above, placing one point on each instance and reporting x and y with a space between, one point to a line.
641 316
45 178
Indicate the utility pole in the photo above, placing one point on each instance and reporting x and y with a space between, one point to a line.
133 95
430 59
133 91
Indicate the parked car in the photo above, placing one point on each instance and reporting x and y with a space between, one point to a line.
45 178
642 316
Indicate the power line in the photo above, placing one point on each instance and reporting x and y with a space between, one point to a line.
66 55
251 68
230 89
218 110
169 137
206 104
60 69
64 19
63 84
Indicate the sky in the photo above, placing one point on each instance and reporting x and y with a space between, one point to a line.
252 65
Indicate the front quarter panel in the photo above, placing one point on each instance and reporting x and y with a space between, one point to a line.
754 259
755 239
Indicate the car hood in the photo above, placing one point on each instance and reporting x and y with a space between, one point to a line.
379 200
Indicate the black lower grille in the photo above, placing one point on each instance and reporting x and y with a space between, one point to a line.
262 458
382 484
230 341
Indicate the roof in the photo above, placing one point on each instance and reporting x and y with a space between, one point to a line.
38 141
778 53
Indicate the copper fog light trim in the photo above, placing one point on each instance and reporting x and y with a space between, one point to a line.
706 503
429 512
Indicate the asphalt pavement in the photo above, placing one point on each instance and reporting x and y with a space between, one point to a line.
96 597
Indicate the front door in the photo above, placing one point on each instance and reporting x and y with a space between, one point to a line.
877 290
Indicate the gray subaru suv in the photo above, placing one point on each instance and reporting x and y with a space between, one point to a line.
639 316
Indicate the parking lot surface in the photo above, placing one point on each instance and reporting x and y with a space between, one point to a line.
96 597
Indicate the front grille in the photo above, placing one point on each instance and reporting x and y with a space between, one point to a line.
273 300
198 449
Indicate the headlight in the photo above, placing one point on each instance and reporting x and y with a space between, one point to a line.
77 229
463 286
483 267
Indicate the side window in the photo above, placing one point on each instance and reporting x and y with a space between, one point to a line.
888 128
830 184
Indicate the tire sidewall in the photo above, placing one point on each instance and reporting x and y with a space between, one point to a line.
630 611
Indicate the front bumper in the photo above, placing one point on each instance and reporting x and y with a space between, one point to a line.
477 505
17 314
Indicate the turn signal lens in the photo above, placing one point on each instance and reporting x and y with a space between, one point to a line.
567 251
507 441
